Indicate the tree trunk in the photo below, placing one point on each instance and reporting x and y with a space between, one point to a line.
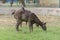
11 2
23 3
3 1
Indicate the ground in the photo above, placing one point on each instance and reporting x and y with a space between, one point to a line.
8 31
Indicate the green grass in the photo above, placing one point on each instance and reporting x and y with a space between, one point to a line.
8 32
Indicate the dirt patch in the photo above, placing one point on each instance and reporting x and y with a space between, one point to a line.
49 18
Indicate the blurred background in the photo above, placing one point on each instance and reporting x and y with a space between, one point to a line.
33 3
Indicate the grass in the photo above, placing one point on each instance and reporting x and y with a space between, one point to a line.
8 31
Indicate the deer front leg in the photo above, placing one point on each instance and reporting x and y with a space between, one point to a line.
20 24
30 26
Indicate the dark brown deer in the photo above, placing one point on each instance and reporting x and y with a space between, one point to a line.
18 14
28 16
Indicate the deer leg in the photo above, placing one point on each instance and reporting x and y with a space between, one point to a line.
26 22
17 25
21 24
30 26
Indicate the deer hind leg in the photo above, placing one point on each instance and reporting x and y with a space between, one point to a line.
17 24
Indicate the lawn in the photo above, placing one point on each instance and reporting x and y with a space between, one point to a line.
8 31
